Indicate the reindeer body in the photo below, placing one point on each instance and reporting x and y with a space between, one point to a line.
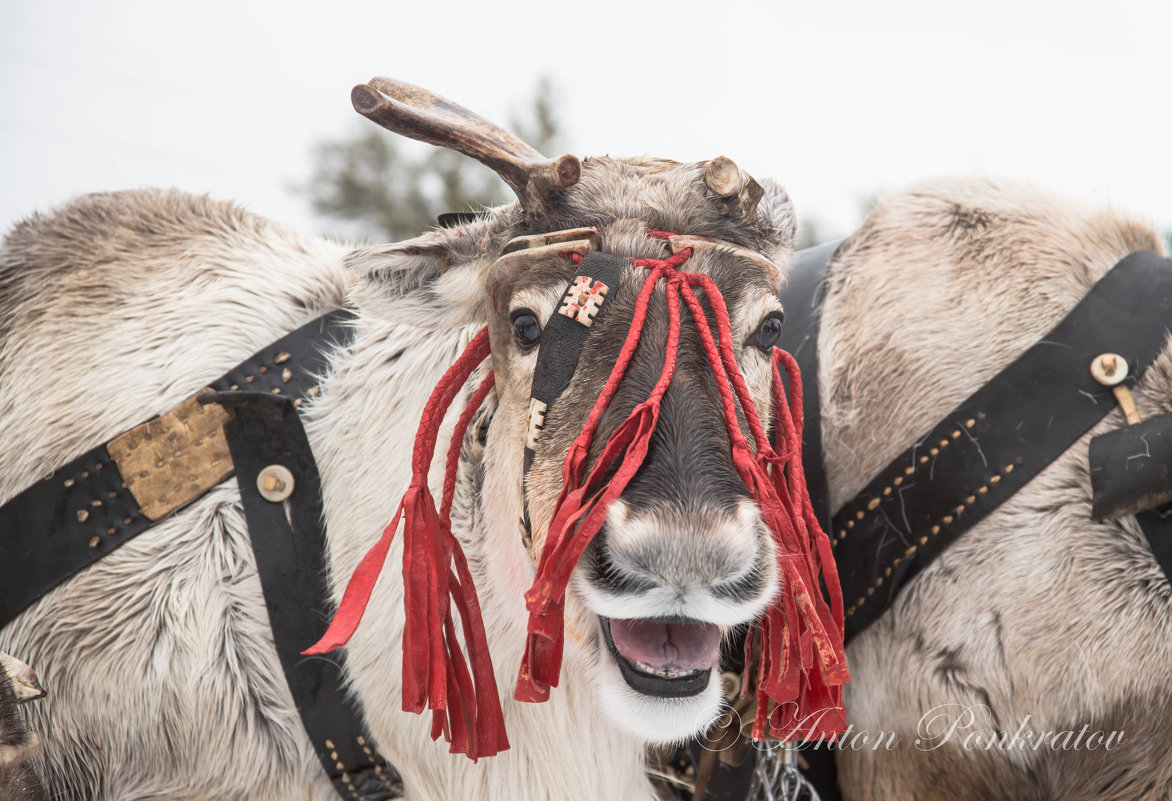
164 680
1037 610
204 284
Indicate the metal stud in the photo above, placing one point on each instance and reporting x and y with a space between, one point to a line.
275 483
1109 369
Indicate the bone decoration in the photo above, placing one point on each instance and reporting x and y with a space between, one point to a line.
537 411
583 300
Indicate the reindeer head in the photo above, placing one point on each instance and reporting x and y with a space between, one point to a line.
669 547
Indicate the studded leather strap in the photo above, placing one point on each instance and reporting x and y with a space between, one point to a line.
999 438
288 539
85 509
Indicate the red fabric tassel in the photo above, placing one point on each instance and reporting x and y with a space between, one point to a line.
803 662
464 702
823 690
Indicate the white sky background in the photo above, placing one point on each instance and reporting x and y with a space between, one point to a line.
836 100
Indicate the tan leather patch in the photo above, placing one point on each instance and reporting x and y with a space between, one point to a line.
170 461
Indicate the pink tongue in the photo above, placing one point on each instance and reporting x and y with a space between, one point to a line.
677 646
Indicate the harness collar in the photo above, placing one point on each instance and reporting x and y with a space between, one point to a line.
97 502
976 457
997 439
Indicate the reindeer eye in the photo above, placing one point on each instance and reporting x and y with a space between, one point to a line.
769 331
526 329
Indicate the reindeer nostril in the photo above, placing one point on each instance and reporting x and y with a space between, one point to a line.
747 585
608 575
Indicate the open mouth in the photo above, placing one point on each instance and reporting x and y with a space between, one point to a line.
663 657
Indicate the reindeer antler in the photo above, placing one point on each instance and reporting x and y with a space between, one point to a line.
423 115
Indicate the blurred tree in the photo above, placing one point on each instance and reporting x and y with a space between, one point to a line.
814 230
377 187
811 232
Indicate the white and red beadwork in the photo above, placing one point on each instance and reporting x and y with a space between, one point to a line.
584 299
537 411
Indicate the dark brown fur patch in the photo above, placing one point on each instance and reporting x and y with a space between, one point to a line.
18 781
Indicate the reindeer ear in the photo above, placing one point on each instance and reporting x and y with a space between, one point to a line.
401 266
439 274
776 208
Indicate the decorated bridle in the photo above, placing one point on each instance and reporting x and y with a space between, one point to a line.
801 667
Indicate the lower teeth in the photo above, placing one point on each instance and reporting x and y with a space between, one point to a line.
663 673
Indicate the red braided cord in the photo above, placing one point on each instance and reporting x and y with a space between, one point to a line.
435 573
718 371
776 683
581 508
825 551
361 583
793 633
728 358
441 398
487 736
453 464
575 458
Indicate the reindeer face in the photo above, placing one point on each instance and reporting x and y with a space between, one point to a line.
683 555
636 502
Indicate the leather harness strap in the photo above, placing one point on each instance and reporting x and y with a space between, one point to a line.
87 508
288 538
246 425
801 298
562 341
